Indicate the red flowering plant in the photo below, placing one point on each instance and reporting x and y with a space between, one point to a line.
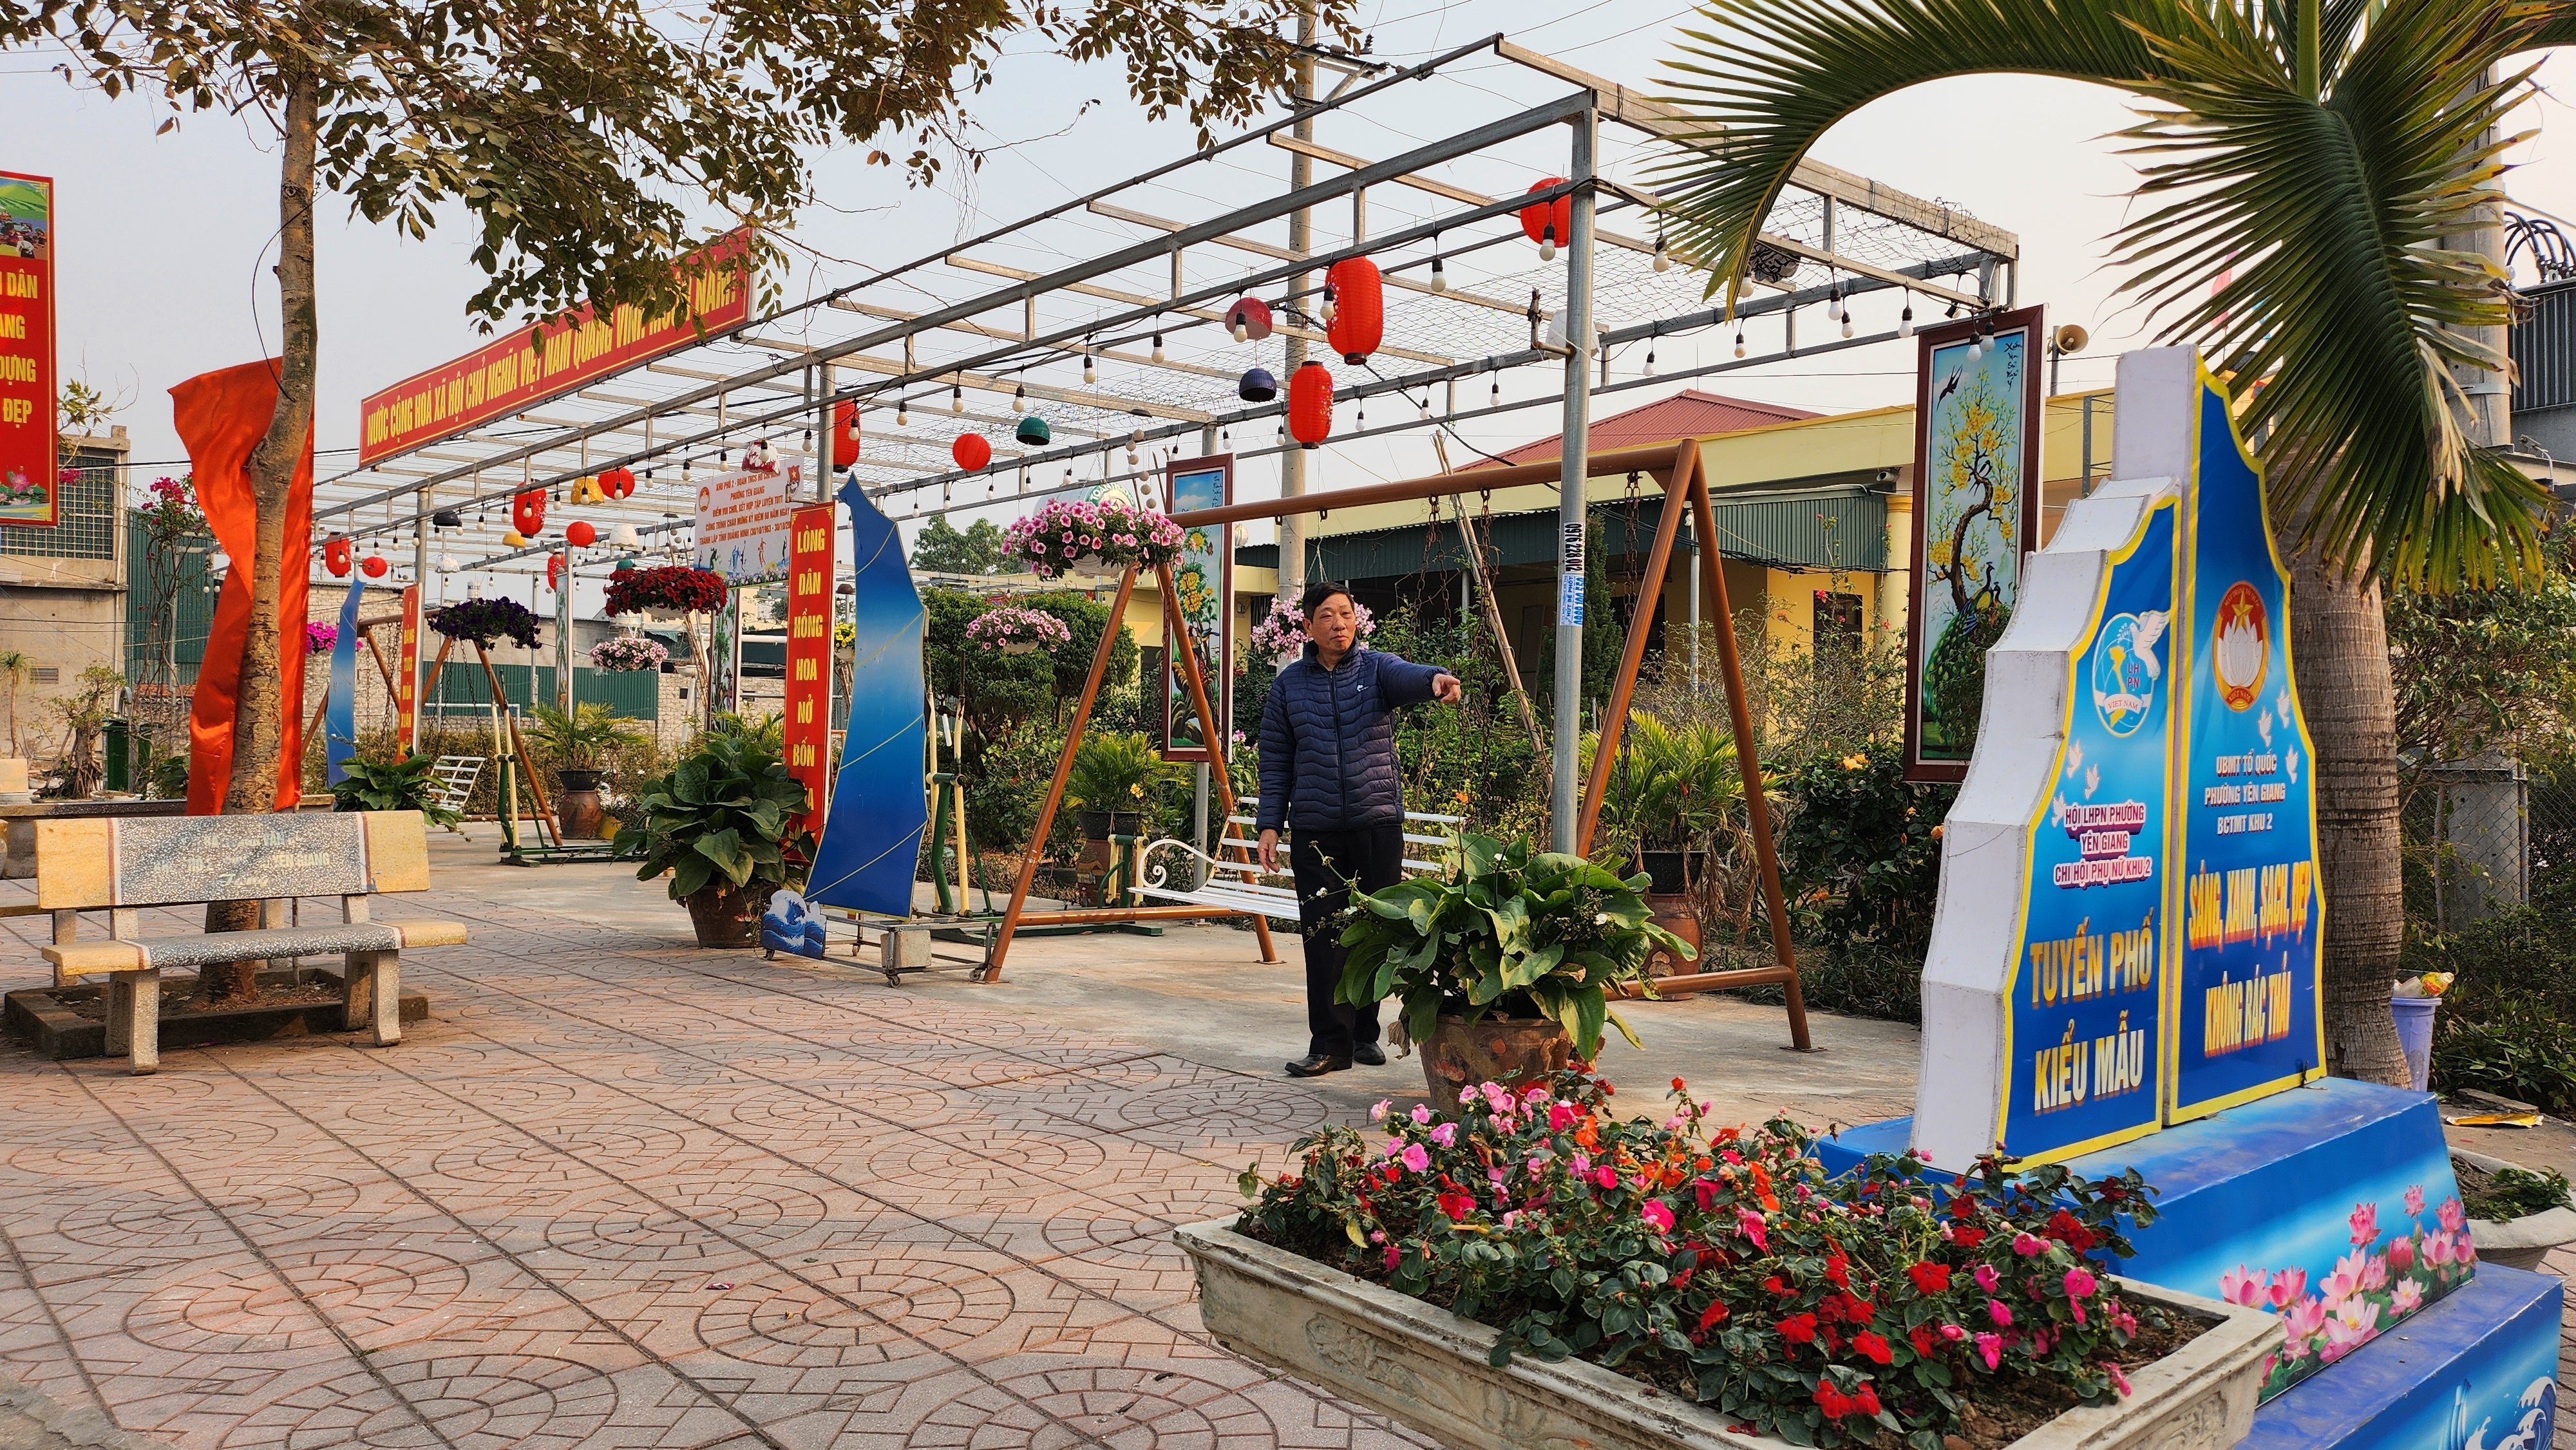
1886 1307
671 589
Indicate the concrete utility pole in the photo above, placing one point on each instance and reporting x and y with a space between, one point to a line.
1301 240
1574 471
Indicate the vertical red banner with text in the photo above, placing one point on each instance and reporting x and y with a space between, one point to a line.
30 470
809 657
407 680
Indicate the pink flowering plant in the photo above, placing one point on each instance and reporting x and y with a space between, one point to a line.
628 653
1883 1308
2386 1276
1102 533
1281 634
996 628
320 637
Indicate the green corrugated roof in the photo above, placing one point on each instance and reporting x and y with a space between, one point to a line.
1843 527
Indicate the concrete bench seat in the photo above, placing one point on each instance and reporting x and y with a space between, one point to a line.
121 866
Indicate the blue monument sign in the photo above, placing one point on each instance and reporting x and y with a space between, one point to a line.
2140 796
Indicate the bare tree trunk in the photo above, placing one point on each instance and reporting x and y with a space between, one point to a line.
258 735
2339 638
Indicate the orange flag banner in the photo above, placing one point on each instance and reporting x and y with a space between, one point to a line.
221 416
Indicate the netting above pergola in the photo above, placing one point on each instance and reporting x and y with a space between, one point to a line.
1104 316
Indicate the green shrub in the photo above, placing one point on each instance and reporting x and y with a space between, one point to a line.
1862 854
2507 1020
383 785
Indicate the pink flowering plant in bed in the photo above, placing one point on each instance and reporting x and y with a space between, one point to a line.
1888 1307
1092 533
2388 1275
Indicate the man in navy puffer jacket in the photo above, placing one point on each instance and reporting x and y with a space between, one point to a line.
1328 767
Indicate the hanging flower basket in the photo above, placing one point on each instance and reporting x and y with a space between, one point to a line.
1092 537
319 638
1018 631
628 654
486 622
1282 633
667 592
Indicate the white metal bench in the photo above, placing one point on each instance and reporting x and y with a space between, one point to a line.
456 775
1232 878
121 865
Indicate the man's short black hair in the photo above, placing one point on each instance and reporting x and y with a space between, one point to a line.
1319 591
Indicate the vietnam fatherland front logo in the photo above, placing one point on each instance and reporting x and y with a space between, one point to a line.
2240 646
2125 670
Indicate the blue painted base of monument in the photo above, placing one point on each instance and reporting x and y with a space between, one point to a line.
2334 1206
2479 1369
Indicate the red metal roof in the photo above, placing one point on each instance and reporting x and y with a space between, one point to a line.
1686 414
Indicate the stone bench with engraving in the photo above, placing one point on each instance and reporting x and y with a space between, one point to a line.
122 865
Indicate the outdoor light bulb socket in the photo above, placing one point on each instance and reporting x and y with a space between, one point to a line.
1847 324
1739 344
1547 248
957 401
1241 332
1158 347
1905 323
1663 259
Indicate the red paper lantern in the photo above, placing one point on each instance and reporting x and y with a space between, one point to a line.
528 511
375 566
581 535
1359 321
554 571
971 451
1541 221
1310 404
617 482
335 557
845 433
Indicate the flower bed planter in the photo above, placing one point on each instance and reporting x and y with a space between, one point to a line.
2516 1243
1428 1368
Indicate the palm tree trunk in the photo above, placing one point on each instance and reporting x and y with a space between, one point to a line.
2339 640
258 736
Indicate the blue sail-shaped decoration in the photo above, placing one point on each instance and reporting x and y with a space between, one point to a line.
340 714
872 835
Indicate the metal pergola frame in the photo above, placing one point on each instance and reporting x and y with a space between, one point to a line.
958 320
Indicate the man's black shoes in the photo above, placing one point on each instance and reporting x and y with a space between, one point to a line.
1369 1054
1316 1064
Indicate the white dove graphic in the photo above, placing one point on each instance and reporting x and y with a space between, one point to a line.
2263 726
2290 759
2150 628
2074 757
2092 780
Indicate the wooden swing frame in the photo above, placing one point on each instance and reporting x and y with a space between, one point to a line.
1675 468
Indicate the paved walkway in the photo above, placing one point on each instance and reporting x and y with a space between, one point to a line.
617 1193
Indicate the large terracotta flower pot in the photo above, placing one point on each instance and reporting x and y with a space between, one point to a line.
577 808
1513 1051
1672 911
722 917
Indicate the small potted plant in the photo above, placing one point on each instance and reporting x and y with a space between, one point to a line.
2515 1217
1091 536
718 825
485 622
370 784
580 740
1504 965
1016 631
1114 781
628 653
1671 790
666 592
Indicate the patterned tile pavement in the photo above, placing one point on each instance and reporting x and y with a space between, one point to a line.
618 1194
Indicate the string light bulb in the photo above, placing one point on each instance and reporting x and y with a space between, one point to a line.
1650 361
957 400
1158 347
1739 342
1905 322
1663 259
1439 276
1547 243
902 414
1020 394
1090 375
1331 304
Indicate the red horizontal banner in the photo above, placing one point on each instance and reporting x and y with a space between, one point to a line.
534 364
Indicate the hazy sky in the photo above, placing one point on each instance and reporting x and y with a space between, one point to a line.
164 241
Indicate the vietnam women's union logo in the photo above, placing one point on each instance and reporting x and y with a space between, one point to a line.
2125 670
2240 646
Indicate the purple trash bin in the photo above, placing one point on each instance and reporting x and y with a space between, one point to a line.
2415 1034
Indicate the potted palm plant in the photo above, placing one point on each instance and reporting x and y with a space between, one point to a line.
1670 792
1115 778
718 825
1505 964
579 741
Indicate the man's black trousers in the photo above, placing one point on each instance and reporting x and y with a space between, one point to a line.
1326 864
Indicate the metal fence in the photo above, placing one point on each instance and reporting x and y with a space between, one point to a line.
2488 835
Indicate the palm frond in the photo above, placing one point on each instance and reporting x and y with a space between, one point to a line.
2342 309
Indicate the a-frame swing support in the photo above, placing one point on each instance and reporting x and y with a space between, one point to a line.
1675 468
